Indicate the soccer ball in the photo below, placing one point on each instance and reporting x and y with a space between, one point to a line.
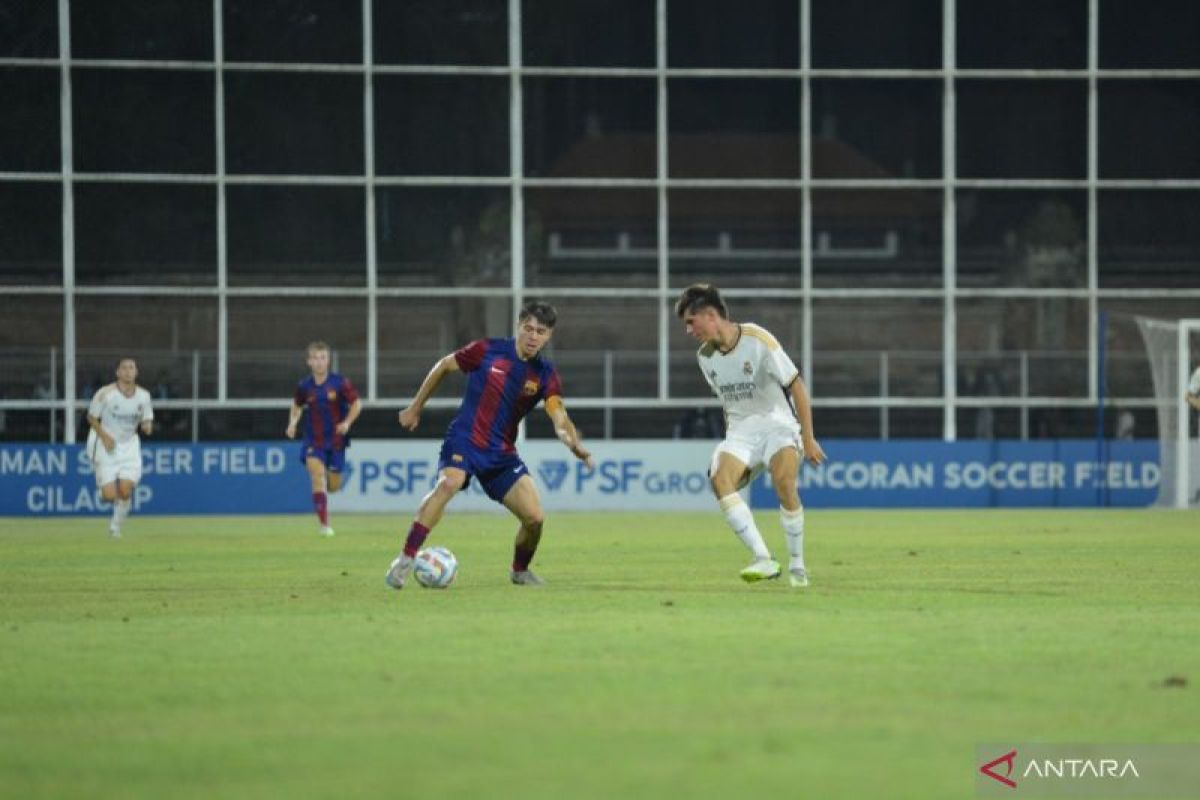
435 568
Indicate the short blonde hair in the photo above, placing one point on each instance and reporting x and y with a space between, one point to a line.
317 346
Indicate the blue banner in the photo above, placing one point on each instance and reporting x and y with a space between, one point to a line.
392 476
925 473
225 478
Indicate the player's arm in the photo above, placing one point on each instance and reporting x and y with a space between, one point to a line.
411 416
105 438
294 415
147 424
93 417
351 415
803 406
566 431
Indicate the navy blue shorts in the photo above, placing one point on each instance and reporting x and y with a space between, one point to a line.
496 472
334 460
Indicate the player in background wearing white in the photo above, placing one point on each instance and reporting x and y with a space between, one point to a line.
1193 400
768 424
117 411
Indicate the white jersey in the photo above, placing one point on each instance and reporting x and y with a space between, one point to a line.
119 415
752 378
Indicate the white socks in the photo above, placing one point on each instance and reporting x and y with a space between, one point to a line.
741 520
120 512
793 526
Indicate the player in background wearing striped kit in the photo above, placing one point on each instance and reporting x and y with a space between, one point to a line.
333 406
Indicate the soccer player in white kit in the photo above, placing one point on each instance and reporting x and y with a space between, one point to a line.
117 412
769 424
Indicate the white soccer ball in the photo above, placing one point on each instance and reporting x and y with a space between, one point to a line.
435 568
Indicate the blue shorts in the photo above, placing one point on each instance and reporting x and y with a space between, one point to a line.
334 460
496 472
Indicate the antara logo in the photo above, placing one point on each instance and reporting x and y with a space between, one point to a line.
1081 768
1058 768
1006 759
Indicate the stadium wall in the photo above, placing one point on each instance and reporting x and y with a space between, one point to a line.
669 475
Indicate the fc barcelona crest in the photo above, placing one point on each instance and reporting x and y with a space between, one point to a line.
531 387
331 395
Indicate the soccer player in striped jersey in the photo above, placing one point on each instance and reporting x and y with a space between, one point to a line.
506 379
333 406
769 423
116 414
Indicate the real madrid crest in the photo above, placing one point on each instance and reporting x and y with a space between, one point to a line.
748 368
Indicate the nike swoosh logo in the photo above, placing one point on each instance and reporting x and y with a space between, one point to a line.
498 371
516 469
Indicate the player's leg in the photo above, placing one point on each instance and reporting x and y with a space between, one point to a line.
525 504
727 472
121 505
314 463
335 468
785 466
450 482
122 468
110 492
104 467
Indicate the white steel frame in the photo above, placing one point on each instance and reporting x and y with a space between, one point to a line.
949 293
1183 443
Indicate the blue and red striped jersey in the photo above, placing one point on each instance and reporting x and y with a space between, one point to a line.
501 390
327 405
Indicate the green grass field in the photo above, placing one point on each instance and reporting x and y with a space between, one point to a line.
246 657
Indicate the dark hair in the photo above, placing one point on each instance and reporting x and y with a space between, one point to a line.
540 310
698 296
123 359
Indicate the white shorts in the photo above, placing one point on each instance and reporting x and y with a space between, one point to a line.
755 442
123 463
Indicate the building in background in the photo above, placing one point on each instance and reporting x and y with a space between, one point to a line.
931 211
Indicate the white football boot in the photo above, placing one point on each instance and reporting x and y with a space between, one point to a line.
764 569
399 571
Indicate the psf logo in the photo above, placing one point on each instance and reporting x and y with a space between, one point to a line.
553 473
